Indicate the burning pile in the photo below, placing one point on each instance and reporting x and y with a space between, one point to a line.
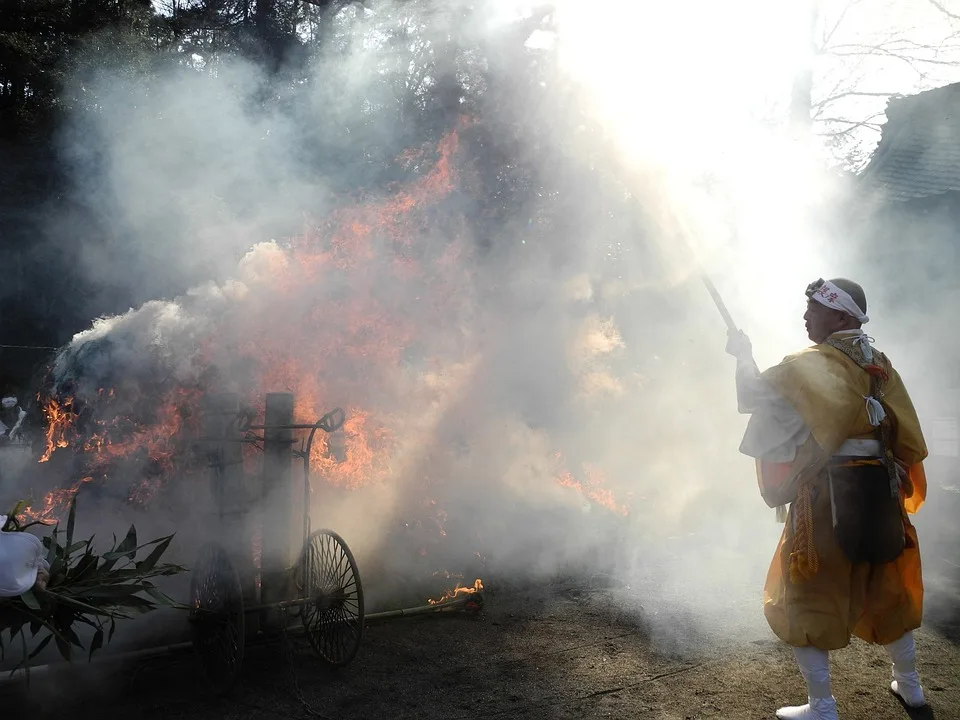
371 310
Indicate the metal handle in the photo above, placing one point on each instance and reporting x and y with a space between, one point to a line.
332 421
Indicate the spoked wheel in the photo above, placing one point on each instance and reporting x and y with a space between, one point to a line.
333 621
216 616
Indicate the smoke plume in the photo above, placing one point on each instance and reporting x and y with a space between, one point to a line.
504 295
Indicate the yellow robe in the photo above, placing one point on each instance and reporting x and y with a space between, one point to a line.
877 603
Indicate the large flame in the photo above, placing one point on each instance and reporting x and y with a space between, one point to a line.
354 312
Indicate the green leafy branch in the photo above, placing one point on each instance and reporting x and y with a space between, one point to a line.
84 588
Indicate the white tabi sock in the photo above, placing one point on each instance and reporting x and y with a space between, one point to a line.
815 668
906 679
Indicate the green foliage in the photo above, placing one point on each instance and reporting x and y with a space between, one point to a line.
84 588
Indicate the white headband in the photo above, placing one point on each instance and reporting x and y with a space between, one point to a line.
834 298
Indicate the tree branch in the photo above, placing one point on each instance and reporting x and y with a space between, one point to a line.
828 35
850 93
848 130
855 123
941 8
894 49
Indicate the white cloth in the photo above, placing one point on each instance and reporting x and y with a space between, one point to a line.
9 402
836 299
775 430
816 709
814 665
860 447
15 430
21 558
906 679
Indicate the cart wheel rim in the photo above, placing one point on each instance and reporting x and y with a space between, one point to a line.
217 618
328 572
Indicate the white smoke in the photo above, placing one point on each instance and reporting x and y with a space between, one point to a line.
581 327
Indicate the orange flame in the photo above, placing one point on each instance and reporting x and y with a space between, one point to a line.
54 505
60 421
593 489
457 591
328 349
357 341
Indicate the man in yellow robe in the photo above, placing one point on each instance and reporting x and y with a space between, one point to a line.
836 438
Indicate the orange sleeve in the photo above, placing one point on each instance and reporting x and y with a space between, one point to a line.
918 478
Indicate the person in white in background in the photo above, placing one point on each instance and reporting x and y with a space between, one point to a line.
11 418
22 562
836 437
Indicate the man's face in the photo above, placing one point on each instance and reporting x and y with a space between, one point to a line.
822 322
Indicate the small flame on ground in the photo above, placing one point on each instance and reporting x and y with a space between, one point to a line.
457 591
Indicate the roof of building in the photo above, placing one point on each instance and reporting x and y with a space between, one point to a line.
918 154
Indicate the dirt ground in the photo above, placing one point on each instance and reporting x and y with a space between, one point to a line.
555 651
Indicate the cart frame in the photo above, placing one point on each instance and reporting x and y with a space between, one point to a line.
322 589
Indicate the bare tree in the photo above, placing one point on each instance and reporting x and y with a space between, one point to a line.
864 52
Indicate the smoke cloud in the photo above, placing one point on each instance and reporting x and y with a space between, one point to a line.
534 378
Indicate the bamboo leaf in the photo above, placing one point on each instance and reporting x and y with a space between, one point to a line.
108 564
79 605
30 600
39 648
154 557
129 542
72 637
114 591
64 648
122 551
96 643
53 545
158 595
113 626
71 523
15 628
31 524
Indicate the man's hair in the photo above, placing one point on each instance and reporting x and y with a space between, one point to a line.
853 290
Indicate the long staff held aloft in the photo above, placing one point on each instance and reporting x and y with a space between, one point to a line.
718 301
682 233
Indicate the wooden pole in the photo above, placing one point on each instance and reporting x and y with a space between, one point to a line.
277 505
231 498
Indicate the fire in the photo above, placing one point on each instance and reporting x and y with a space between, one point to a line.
364 457
353 312
55 504
593 488
348 348
60 420
458 591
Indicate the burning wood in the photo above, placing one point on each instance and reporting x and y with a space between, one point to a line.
357 308
60 421
458 591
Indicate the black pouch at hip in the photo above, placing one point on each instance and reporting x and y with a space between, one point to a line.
867 519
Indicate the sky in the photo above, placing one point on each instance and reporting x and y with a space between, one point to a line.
705 71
